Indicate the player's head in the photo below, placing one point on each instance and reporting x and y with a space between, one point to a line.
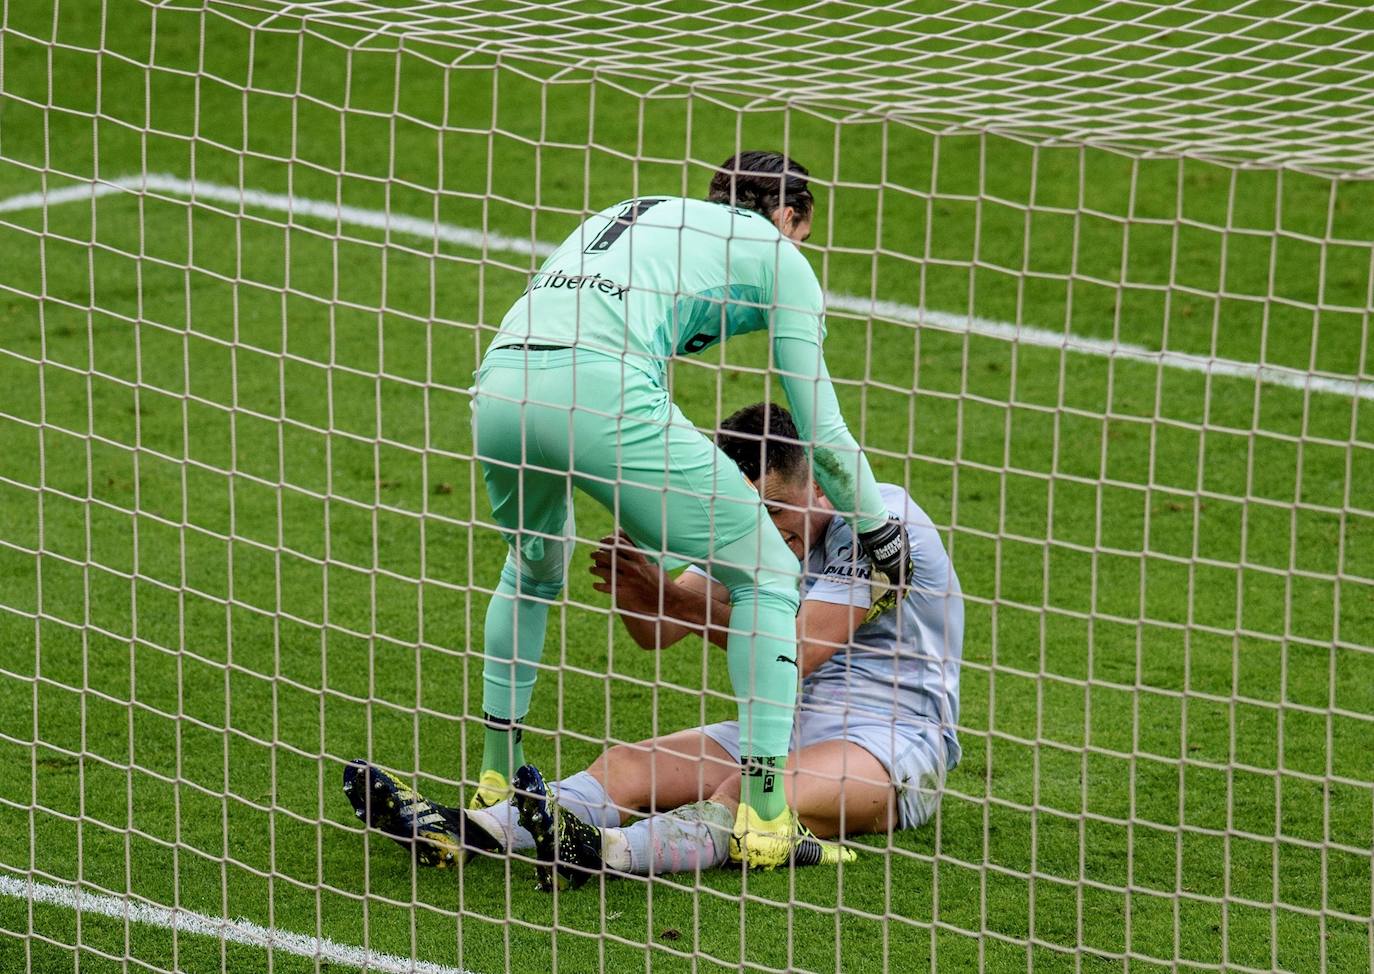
763 442
767 183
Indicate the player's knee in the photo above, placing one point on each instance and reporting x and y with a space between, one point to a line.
537 570
728 790
772 581
780 596
768 590
760 566
768 583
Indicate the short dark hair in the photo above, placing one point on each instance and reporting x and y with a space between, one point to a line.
762 181
763 437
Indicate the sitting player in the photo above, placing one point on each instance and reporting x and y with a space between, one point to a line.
874 734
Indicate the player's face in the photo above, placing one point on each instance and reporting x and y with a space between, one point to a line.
793 505
799 231
795 230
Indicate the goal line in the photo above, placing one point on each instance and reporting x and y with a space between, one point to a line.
231 931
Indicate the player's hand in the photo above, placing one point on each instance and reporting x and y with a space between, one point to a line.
889 552
632 580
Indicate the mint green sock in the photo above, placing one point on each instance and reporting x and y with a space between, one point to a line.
761 786
502 747
513 644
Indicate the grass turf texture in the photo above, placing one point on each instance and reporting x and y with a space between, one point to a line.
254 514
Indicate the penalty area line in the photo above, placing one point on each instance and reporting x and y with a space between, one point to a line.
230 931
330 212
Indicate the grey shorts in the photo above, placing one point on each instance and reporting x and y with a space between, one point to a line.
913 752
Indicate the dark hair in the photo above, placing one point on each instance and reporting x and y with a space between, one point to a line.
763 437
762 181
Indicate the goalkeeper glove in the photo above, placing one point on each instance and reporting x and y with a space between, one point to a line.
889 551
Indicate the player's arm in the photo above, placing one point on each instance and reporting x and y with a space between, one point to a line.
823 629
657 609
798 329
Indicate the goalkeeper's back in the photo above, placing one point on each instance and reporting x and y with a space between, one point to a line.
659 276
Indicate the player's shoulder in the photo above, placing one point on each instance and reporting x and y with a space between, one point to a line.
679 212
640 209
896 501
932 560
752 235
796 279
901 505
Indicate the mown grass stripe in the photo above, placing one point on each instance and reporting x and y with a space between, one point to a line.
1272 375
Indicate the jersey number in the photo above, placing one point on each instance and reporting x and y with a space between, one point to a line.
619 225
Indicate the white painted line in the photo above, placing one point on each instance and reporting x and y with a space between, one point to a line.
281 203
232 931
66 194
1273 375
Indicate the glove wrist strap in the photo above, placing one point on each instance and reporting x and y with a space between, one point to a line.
885 543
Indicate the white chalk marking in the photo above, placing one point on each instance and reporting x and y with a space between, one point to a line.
1273 375
231 931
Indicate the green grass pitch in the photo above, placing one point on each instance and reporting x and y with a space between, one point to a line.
237 505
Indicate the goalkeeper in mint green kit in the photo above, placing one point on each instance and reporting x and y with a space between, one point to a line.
572 393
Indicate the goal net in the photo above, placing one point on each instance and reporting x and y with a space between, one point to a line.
1098 279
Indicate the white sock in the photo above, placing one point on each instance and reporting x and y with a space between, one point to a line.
684 840
502 822
615 850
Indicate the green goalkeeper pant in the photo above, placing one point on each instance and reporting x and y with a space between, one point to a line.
547 421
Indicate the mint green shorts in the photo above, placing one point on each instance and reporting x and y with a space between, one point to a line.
547 421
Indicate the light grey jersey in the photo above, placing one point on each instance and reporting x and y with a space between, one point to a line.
905 663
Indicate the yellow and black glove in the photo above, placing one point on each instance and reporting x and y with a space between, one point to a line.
889 552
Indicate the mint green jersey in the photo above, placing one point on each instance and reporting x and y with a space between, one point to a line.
651 278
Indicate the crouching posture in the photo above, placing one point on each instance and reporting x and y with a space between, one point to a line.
874 732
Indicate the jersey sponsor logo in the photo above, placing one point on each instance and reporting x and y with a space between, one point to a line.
576 282
846 571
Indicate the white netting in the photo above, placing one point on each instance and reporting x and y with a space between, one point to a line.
1264 83
251 252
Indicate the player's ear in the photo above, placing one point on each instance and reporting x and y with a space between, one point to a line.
783 218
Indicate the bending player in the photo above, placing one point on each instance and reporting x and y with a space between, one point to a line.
572 393
874 734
